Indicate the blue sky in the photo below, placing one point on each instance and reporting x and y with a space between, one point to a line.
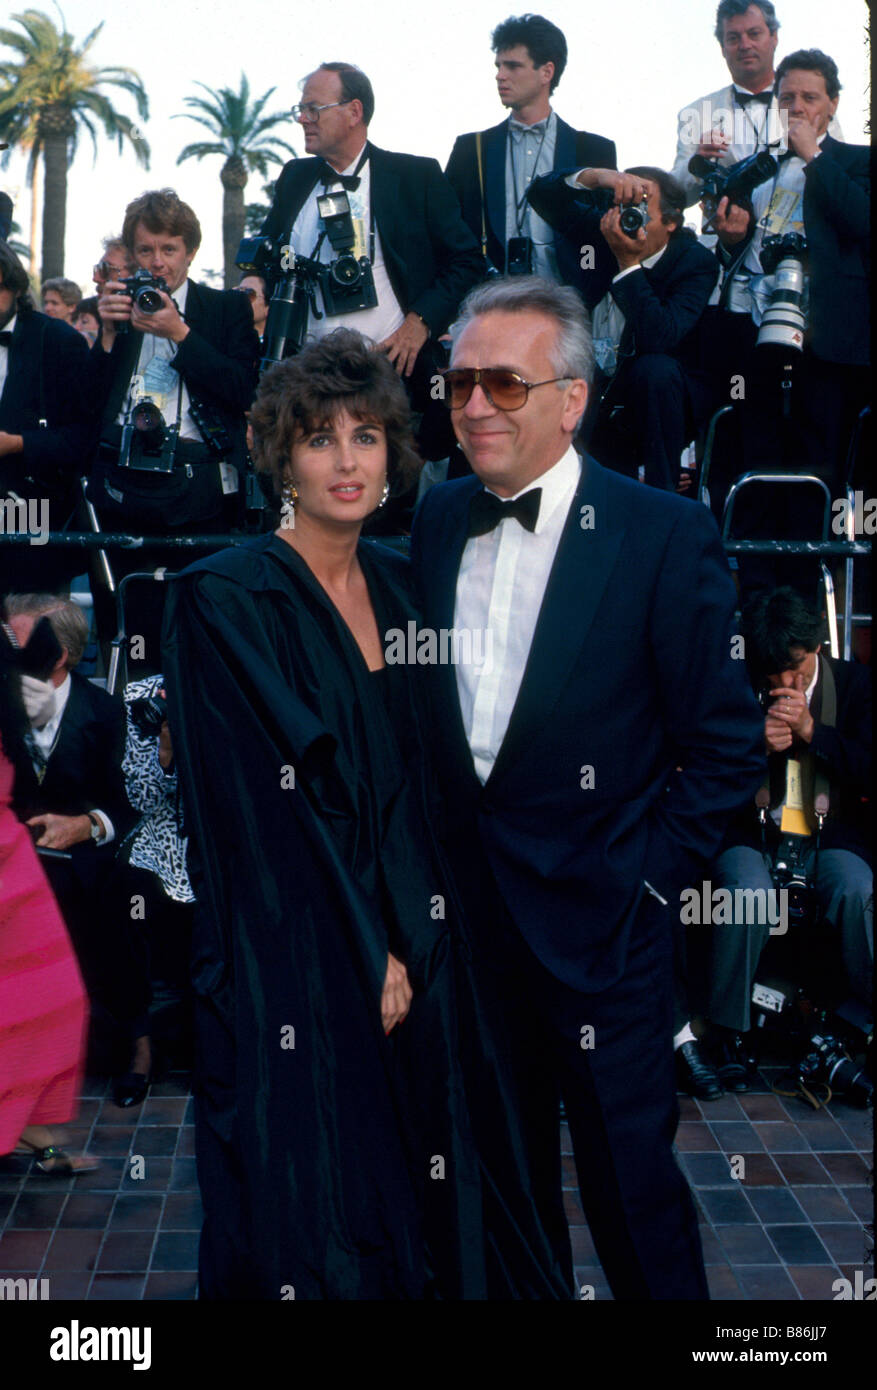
631 67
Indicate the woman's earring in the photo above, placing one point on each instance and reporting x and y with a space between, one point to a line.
288 499
385 494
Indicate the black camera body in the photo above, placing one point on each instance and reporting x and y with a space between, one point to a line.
145 289
633 215
148 714
258 255
347 283
148 443
519 256
736 182
786 246
791 875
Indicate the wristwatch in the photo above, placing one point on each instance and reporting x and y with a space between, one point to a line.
97 832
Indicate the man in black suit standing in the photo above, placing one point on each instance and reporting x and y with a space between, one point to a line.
642 322
174 465
491 170
406 219
588 767
46 433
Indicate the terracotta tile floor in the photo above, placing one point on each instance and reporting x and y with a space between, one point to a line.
786 1229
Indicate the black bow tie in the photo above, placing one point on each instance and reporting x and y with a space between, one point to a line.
486 511
744 98
5 338
328 175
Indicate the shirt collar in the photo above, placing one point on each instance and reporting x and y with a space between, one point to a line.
558 481
180 296
746 92
46 734
653 260
808 693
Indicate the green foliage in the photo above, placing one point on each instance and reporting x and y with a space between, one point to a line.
238 127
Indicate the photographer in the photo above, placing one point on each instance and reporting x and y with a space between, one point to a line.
653 282
175 370
820 191
421 256
817 734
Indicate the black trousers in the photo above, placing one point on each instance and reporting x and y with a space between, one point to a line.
619 1090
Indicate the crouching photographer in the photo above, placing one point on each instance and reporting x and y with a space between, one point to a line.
805 839
648 282
175 370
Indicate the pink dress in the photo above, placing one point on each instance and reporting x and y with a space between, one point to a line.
43 1005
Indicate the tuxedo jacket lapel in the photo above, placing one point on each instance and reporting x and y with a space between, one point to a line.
564 146
494 180
449 552
586 554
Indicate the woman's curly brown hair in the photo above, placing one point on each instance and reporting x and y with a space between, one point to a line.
305 393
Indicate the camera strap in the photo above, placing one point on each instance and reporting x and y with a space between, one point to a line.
480 163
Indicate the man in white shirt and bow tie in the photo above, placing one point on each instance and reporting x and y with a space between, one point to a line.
588 769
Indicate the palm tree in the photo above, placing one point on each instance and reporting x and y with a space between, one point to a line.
239 129
47 96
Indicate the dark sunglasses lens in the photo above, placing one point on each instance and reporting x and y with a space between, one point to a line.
507 391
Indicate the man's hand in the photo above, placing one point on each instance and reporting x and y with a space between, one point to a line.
628 188
777 736
713 145
731 223
627 250
803 138
38 698
60 832
114 310
403 346
396 996
166 323
10 443
789 709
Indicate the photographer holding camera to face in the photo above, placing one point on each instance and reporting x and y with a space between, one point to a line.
793 305
175 368
808 831
649 282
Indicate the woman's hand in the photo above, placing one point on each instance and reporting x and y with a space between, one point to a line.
396 996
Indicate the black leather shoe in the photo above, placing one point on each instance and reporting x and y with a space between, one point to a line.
130 1089
695 1073
735 1067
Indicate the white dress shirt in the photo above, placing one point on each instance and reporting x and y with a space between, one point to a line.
44 739
609 319
500 588
4 354
377 323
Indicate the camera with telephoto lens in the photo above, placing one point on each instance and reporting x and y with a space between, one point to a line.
145 289
633 215
736 182
347 283
784 321
292 281
148 714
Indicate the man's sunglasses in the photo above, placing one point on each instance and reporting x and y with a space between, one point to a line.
504 390
104 271
247 290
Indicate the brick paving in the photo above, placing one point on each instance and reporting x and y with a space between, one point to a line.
791 1225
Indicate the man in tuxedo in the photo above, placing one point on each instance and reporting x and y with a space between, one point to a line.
652 288
74 800
407 223
46 430
194 359
588 768
491 170
821 190
743 117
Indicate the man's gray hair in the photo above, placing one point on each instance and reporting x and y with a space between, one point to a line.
68 621
573 351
